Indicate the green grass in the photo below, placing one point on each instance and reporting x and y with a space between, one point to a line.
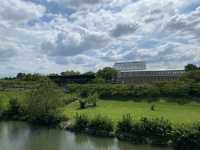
115 109
175 113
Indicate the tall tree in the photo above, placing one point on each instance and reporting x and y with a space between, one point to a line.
107 73
70 73
191 67
44 102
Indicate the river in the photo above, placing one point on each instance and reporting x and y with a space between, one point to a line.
22 136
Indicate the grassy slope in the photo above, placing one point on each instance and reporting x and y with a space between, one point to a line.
174 112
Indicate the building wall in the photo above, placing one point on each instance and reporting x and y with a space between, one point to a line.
148 76
130 66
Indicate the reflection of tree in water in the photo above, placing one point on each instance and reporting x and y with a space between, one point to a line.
17 131
44 139
81 139
128 146
98 143
102 143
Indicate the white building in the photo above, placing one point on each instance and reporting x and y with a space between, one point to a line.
136 72
130 66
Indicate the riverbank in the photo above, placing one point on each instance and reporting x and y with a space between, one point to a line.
155 132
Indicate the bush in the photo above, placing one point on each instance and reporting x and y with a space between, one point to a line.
16 109
101 126
174 89
89 101
81 123
186 139
4 105
155 132
44 102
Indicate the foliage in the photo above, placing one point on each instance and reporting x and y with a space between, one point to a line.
44 103
89 73
81 123
191 76
100 126
70 73
69 98
29 77
187 138
191 67
98 81
4 104
16 109
88 100
107 73
156 132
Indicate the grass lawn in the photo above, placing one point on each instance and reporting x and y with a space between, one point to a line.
176 113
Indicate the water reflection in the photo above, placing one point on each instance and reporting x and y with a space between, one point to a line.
21 136
97 143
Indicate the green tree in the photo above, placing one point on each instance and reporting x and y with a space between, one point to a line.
89 73
4 104
70 73
107 73
44 103
192 76
191 67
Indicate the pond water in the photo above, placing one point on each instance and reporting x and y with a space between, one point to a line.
22 136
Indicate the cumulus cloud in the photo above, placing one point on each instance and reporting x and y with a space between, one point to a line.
18 11
185 24
76 3
97 33
74 42
123 30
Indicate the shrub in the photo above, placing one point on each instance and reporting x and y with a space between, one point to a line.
69 98
125 125
44 102
4 105
81 123
186 139
16 109
101 126
125 129
92 99
157 131
82 103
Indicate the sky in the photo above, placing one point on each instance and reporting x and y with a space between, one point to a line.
51 36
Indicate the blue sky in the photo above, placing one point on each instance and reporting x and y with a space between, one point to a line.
48 36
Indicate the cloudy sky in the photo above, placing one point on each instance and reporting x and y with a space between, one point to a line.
55 35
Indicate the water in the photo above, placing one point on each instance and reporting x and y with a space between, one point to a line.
21 136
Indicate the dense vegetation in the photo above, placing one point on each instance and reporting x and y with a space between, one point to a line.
39 105
157 132
34 98
188 87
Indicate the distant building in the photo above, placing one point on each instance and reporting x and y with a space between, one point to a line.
136 72
130 66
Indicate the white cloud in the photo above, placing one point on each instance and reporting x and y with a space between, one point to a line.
97 33
16 11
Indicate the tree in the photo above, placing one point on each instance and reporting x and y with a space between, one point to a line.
4 104
70 73
107 73
44 103
191 67
192 76
20 75
89 73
